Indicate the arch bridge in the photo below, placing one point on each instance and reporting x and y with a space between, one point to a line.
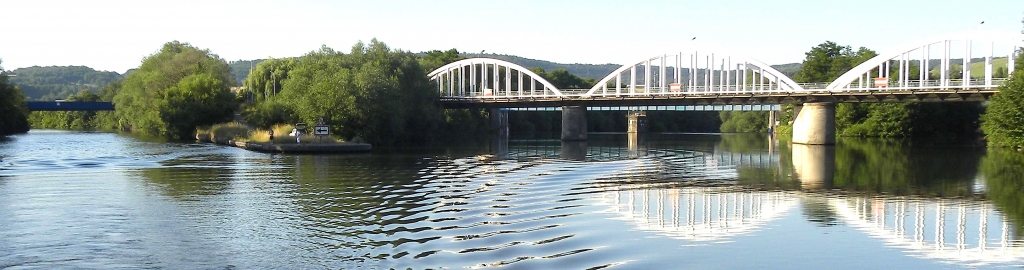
967 66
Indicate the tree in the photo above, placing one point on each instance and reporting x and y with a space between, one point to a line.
375 93
1003 121
745 122
175 90
828 61
13 111
564 80
435 59
266 80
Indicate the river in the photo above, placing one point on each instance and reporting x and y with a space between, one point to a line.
103 200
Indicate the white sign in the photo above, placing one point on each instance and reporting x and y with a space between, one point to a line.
321 130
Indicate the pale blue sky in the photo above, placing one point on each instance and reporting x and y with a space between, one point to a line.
115 35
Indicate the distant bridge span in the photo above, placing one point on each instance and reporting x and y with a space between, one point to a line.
69 106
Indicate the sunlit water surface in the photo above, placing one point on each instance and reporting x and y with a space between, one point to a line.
100 200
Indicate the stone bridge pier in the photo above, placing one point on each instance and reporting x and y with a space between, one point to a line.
815 123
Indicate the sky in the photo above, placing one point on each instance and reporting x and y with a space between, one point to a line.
115 35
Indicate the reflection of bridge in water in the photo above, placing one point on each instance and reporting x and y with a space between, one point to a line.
702 214
635 148
952 230
655 194
955 231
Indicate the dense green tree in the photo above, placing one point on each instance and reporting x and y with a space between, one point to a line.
175 90
265 81
744 122
1003 121
108 120
267 114
240 69
828 61
564 80
375 93
432 60
13 111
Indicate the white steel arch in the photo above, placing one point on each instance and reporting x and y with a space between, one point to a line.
484 78
695 73
904 56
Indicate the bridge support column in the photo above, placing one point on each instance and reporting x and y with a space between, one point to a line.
499 121
574 123
815 123
772 122
637 122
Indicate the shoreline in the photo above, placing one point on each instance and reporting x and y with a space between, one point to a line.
308 148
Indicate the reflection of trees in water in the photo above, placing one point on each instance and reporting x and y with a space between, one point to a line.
817 210
1004 180
745 143
900 168
188 182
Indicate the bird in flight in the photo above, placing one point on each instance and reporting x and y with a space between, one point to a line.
694 38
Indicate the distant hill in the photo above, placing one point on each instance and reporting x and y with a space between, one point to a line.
593 71
59 82
240 69
788 69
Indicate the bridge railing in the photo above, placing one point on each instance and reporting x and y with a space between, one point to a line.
639 91
927 85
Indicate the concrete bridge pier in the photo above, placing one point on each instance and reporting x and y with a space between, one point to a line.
815 123
773 120
637 122
499 121
574 123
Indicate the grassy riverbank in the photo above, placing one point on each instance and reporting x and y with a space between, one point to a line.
239 132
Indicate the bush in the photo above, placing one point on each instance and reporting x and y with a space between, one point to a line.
1003 121
269 113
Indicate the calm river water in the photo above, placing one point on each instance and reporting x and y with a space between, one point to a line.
101 200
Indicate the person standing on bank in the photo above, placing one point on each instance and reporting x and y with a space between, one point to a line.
271 137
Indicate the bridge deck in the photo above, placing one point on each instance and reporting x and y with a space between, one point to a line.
717 99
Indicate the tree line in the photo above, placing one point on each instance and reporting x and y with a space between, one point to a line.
377 94
13 111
